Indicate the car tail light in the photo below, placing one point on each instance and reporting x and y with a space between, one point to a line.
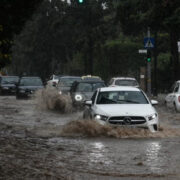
179 98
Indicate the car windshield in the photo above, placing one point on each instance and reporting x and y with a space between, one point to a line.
121 97
57 77
9 80
89 87
68 81
122 82
30 82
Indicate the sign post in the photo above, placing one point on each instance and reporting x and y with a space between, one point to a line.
148 43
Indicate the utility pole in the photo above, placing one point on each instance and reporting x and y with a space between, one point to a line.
148 66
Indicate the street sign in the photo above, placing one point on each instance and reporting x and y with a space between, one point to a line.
142 51
149 42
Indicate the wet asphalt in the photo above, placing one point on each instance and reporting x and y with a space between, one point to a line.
34 145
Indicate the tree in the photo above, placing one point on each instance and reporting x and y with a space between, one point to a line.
13 15
162 16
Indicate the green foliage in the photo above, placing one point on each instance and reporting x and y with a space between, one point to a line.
98 37
120 58
165 78
13 15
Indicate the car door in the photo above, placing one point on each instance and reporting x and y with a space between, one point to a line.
170 98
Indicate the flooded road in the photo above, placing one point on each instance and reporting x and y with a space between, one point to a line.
43 144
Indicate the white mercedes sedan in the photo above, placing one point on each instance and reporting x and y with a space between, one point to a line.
120 106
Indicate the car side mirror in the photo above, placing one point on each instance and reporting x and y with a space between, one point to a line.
88 103
154 102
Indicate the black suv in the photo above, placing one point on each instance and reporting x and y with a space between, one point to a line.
83 90
27 86
7 84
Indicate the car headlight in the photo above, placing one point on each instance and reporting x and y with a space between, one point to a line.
60 92
100 117
152 117
78 97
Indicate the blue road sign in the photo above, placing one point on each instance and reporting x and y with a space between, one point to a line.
149 42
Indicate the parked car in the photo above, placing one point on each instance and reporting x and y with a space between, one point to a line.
122 106
123 81
173 98
83 90
7 84
53 80
65 83
27 86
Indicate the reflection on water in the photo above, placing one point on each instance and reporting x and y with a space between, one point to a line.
154 160
98 154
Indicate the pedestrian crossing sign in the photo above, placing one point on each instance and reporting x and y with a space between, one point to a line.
148 42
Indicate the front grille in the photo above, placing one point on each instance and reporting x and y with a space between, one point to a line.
121 120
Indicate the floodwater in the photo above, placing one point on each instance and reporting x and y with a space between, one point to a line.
39 143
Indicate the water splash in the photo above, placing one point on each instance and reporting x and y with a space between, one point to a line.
90 128
50 99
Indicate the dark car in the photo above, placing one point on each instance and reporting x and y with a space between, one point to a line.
7 84
27 86
83 90
65 83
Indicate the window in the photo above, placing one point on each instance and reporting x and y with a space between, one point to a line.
123 82
30 82
84 87
121 97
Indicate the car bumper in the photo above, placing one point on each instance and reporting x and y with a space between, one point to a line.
147 124
8 91
26 94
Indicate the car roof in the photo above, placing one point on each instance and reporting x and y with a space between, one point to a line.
26 77
62 77
90 81
9 76
90 77
119 88
127 78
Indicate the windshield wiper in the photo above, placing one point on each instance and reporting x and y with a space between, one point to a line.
129 101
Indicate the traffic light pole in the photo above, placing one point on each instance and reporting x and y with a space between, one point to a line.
148 68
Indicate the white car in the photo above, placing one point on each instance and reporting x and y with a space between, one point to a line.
119 106
53 80
123 81
173 98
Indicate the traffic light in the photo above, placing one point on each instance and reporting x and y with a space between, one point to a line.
148 56
80 1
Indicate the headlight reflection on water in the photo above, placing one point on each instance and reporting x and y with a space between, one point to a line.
154 161
98 154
